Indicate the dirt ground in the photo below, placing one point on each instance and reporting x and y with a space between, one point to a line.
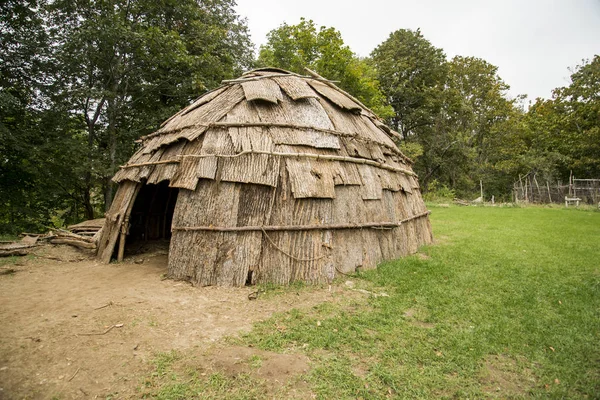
74 328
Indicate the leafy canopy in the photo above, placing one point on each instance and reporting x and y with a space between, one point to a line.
294 47
412 73
80 80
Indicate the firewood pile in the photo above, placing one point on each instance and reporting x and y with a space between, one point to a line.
21 248
84 236
87 228
61 236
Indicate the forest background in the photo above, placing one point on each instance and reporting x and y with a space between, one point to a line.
81 80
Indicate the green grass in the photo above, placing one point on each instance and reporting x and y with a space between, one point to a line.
8 260
7 237
176 377
507 305
5 261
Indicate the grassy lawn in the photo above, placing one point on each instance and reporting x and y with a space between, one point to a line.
505 305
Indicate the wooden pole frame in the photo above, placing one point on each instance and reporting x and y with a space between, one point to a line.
325 227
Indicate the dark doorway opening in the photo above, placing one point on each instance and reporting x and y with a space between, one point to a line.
151 218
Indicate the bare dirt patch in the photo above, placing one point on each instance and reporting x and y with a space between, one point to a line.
274 368
58 309
229 371
502 377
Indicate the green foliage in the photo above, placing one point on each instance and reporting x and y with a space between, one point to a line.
412 73
294 47
80 81
438 192
459 113
481 120
578 109
535 145
560 135
412 150
454 116
36 146
122 68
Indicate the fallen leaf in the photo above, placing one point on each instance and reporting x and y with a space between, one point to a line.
556 381
552 348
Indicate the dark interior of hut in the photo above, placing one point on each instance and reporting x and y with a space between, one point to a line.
151 218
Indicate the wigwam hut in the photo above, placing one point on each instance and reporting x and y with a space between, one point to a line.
272 177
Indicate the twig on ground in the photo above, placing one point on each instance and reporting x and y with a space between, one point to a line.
73 376
382 294
110 303
13 253
101 333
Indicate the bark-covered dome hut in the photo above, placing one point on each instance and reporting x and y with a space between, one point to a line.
272 177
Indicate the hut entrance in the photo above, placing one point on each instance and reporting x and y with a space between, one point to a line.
151 217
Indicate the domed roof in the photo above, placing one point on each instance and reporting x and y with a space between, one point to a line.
251 129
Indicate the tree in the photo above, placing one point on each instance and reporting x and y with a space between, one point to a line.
124 66
412 73
453 115
294 47
561 135
79 80
534 146
579 106
486 118
23 44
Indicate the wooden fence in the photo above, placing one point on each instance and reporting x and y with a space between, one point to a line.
530 190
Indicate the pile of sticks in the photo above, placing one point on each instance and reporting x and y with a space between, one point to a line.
87 228
61 236
21 248
55 236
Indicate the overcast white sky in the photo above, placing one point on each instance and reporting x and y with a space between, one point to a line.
533 42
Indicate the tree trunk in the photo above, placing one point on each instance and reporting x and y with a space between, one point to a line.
87 201
87 197
108 194
112 149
